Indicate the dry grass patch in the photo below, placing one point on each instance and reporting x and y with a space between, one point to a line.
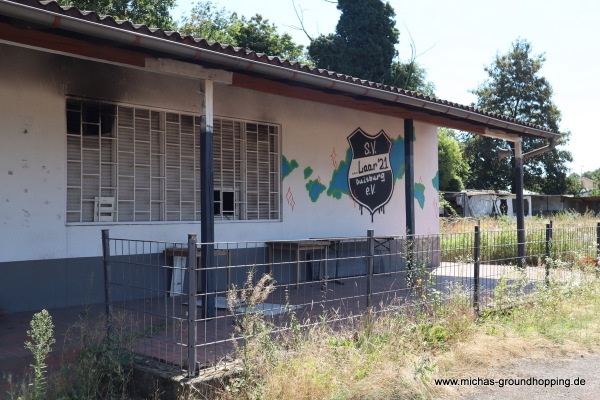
397 354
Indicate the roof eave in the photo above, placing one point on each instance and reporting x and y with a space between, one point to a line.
195 54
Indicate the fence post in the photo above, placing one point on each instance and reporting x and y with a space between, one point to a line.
107 280
598 240
476 260
371 246
548 250
192 305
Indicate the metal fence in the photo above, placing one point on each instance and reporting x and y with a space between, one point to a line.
156 292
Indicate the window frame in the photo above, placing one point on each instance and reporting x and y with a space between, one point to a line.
160 171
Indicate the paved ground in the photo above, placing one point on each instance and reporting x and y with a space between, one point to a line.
582 367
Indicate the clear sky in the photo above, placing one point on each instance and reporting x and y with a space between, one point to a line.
456 39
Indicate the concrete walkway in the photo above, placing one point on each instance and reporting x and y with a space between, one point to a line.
577 377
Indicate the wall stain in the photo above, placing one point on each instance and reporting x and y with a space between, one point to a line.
26 214
10 172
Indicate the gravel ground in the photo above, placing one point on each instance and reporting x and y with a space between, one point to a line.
586 366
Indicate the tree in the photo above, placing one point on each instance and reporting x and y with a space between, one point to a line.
154 13
207 22
256 33
595 176
363 42
514 88
574 185
452 166
411 76
261 36
487 172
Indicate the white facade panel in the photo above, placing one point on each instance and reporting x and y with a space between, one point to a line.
314 151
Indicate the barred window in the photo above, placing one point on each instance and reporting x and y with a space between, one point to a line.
127 163
246 162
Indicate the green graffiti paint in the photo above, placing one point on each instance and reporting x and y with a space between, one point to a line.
338 185
315 188
307 172
397 157
287 166
420 194
436 181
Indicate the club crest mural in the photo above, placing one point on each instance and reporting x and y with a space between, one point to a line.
370 175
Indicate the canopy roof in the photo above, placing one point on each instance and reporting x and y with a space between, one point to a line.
48 26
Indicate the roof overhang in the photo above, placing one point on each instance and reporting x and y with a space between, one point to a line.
31 23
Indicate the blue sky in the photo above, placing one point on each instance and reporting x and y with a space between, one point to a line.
456 39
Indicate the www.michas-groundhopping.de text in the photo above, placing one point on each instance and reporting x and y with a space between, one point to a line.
531 381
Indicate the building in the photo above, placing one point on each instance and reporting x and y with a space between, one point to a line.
103 123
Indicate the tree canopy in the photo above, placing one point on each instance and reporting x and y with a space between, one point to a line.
514 88
410 76
154 13
594 176
256 33
363 44
452 166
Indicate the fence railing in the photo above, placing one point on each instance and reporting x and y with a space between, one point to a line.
189 317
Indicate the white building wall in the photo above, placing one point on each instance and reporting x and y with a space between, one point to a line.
315 136
33 158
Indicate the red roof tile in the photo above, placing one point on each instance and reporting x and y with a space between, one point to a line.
175 37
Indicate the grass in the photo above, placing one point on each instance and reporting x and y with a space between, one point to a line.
573 240
99 368
398 353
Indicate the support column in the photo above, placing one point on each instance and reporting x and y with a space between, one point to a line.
207 228
409 175
520 203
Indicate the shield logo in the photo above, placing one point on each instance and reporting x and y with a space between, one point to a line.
370 175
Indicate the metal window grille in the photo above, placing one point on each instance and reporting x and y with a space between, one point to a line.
148 161
246 162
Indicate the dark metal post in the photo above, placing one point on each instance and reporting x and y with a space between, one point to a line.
548 250
409 175
371 264
598 240
409 196
520 202
476 261
192 303
107 280
207 227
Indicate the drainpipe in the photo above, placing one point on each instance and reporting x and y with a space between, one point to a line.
541 150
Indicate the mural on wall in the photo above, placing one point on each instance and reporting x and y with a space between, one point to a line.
420 193
339 179
370 162
314 187
370 175
436 181
287 166
307 172
289 196
333 157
